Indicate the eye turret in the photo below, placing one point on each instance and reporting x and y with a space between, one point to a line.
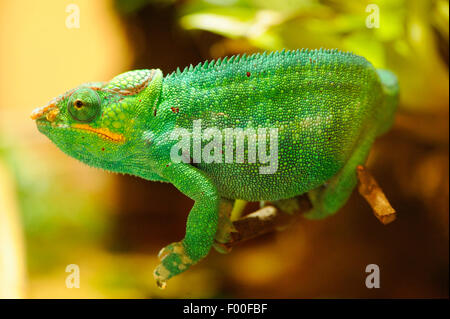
84 105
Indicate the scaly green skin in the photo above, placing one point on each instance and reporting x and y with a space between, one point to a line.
327 106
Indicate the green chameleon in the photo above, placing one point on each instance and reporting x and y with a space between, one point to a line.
324 107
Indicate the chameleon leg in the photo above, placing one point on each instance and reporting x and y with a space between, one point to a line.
329 198
201 224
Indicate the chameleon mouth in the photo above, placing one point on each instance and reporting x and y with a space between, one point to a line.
101 132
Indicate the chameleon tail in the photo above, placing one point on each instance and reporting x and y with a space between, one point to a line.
390 86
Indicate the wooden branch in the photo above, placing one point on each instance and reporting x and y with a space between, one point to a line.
270 218
265 220
369 189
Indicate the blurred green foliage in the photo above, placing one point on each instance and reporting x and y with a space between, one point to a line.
56 216
411 38
273 25
408 39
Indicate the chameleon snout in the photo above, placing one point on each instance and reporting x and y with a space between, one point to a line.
50 111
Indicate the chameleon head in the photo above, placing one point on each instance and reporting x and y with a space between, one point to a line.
97 122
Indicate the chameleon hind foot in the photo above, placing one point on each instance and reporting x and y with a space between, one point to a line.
223 235
222 248
225 226
290 206
174 261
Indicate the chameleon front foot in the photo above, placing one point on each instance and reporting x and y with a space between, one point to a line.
174 261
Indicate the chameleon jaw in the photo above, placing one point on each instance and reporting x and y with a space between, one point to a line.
103 133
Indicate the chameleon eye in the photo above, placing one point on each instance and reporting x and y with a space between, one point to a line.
78 104
84 105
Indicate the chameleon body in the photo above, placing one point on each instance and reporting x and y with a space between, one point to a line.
326 106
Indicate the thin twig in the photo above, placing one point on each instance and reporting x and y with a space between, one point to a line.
374 195
265 220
